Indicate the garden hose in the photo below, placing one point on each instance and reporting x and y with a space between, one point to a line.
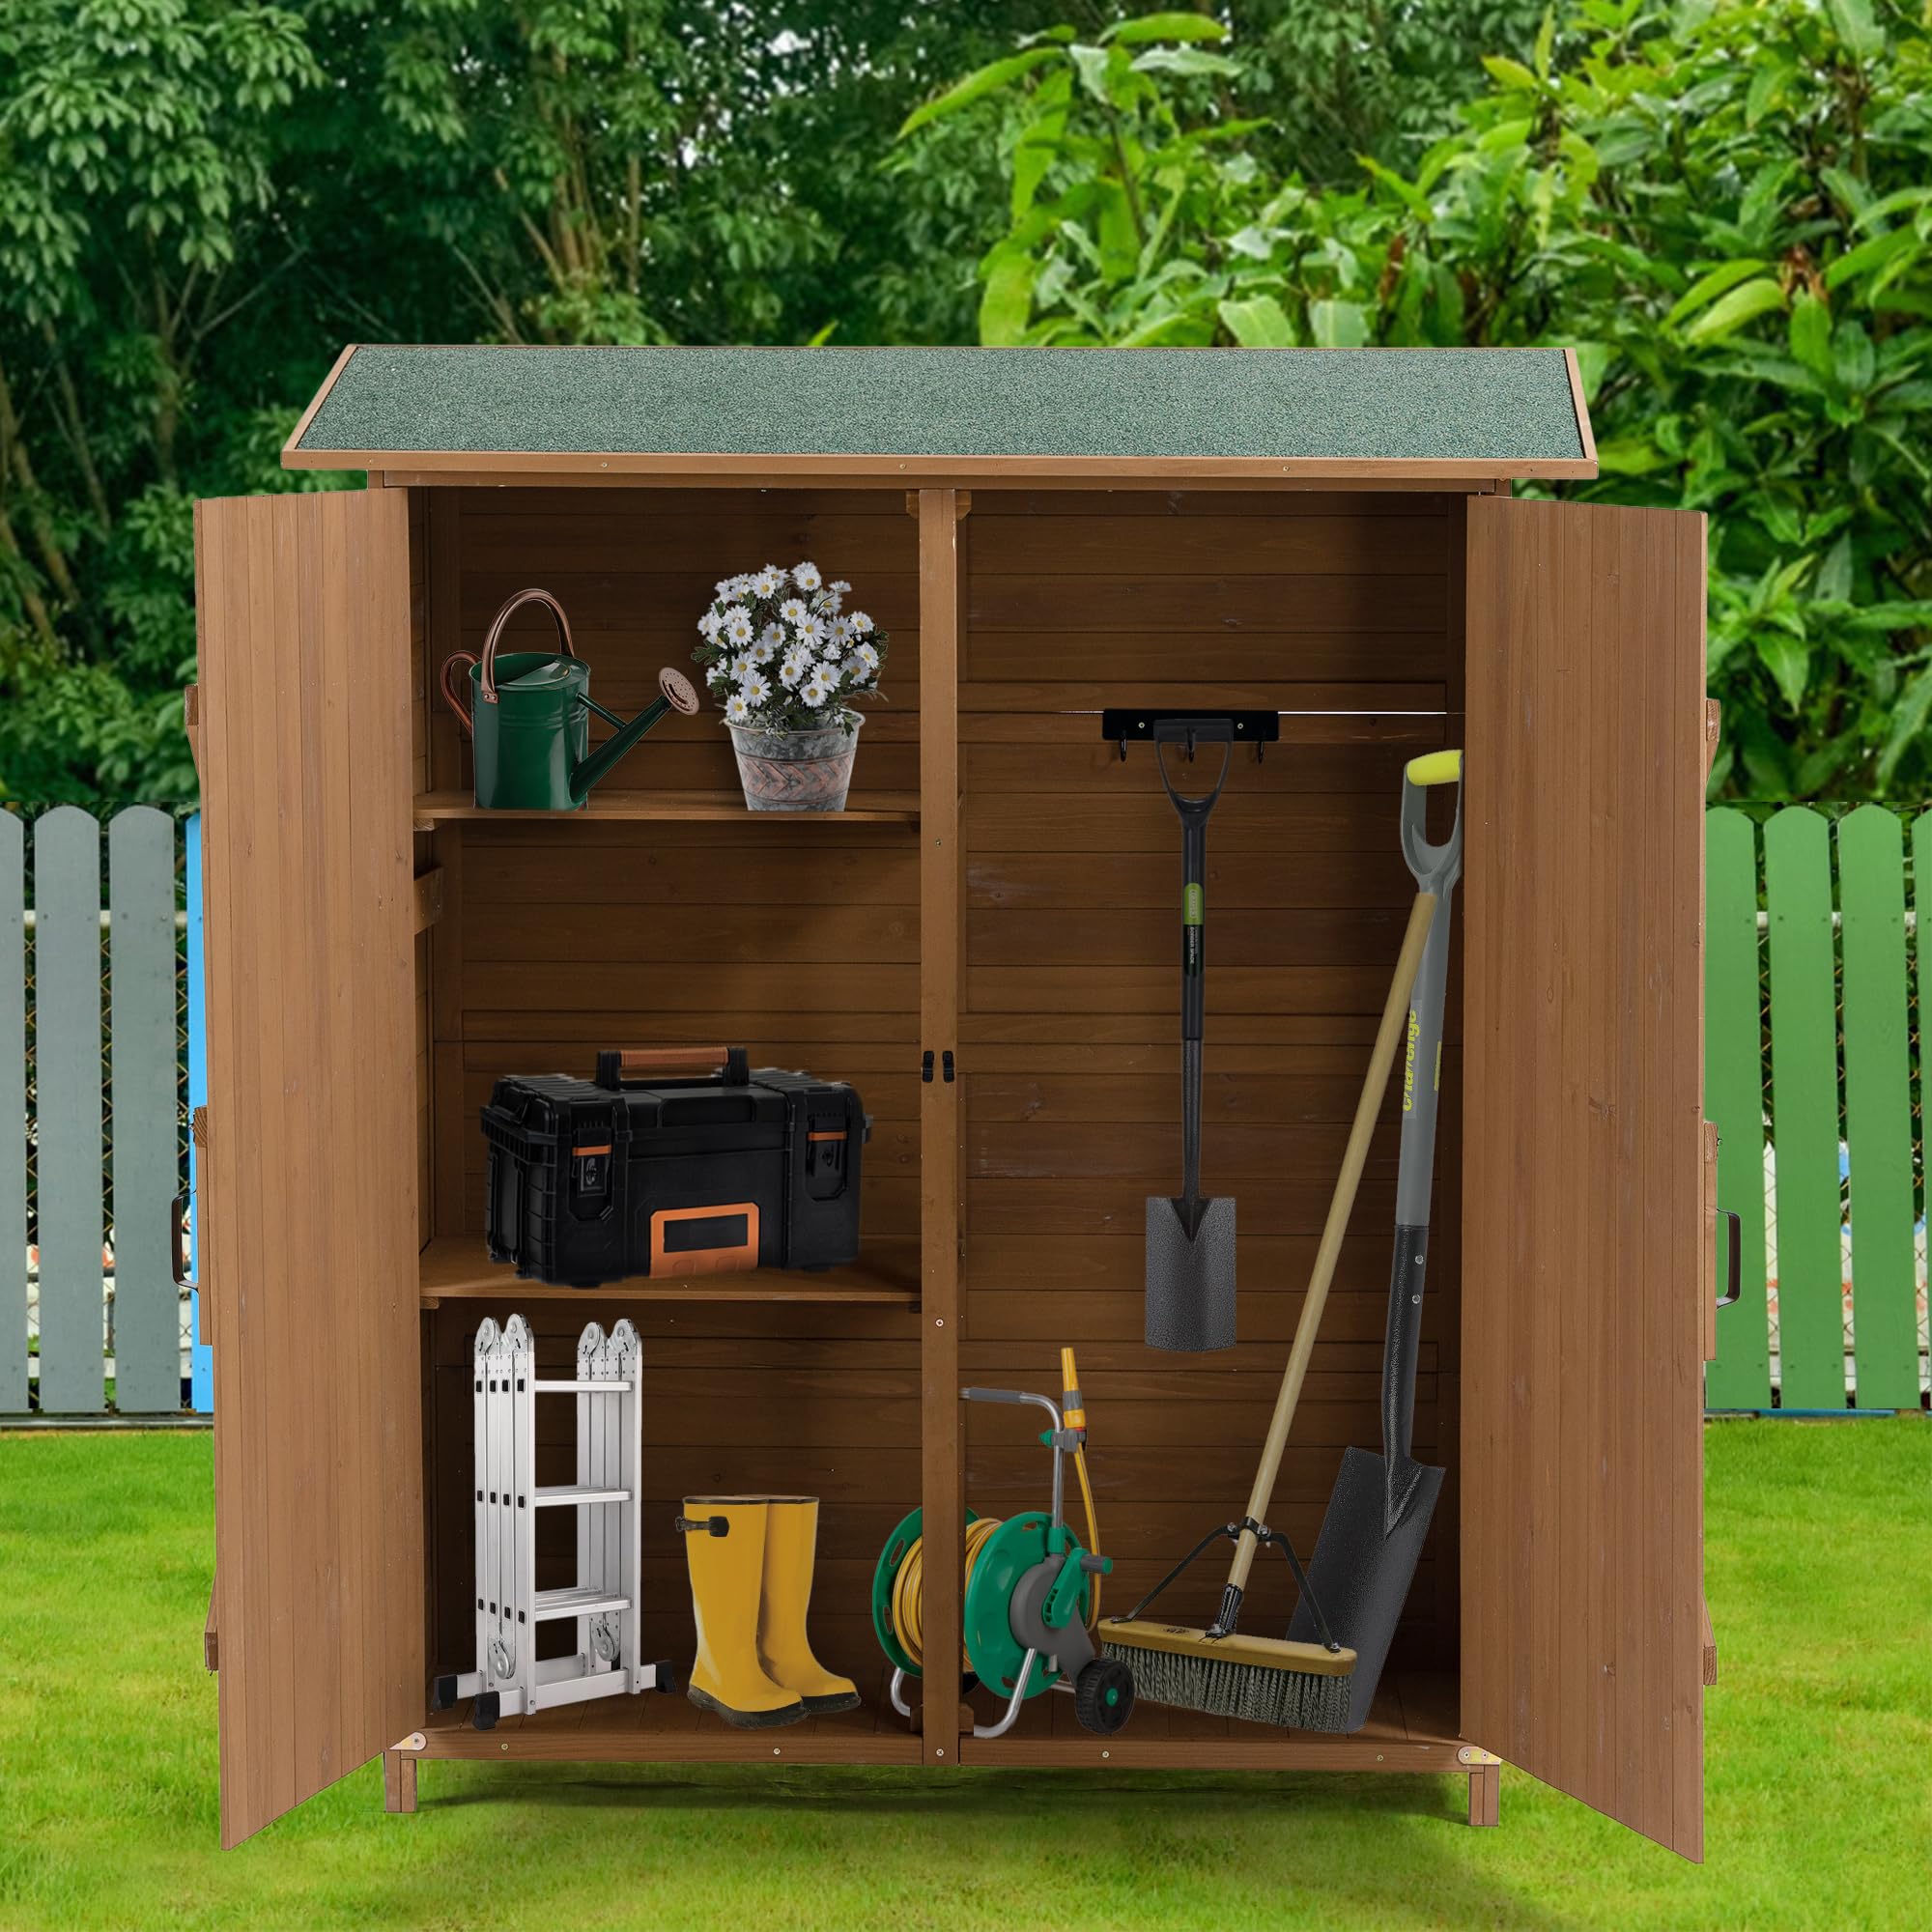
1092 1539
908 1589
1074 1415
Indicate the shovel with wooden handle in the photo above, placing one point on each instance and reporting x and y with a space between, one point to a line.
1372 1537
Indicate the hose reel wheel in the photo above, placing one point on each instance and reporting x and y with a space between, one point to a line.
1018 1545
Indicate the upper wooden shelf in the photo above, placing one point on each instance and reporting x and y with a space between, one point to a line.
456 1267
875 808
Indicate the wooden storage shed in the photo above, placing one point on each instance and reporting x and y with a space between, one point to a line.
1044 533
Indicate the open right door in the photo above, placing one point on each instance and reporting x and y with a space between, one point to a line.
1583 1404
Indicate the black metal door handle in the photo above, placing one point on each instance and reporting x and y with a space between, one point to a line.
1734 1272
176 1260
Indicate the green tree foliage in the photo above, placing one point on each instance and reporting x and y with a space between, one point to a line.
202 200
1725 207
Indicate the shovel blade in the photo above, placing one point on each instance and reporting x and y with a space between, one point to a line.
1190 1276
1361 1577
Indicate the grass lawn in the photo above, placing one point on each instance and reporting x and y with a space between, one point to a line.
1818 1765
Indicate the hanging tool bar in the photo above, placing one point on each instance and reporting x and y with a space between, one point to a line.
1125 725
1141 725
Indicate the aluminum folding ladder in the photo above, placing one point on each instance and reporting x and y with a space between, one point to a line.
509 1679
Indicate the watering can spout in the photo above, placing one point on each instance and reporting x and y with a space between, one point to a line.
674 694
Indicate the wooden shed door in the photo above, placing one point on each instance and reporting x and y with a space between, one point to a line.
311 1249
1583 1456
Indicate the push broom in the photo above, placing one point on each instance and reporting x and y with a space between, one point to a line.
1306 1681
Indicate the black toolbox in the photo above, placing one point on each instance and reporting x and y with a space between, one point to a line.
672 1161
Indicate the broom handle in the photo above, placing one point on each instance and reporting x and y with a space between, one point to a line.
1395 1014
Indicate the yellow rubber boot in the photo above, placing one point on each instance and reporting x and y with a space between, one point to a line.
725 1574
784 1651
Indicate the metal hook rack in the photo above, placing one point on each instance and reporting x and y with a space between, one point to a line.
1122 723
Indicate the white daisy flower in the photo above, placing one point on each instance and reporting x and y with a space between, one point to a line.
755 689
792 670
723 589
741 665
709 625
806 576
767 581
738 626
737 711
860 623
793 611
841 588
764 651
773 634
867 656
841 629
812 630
817 688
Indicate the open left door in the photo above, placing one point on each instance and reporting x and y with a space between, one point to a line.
310 1252
1582 1394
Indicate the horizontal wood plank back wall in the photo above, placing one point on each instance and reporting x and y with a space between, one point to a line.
1069 1045
799 943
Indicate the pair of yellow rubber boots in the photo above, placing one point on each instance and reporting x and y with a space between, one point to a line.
751 1560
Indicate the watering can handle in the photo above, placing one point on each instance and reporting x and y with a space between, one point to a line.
500 621
455 672
457 666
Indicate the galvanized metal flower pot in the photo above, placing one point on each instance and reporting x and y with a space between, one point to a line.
796 771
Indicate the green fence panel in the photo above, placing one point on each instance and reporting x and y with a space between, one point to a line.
1878 1108
1805 1109
13 1114
1921 891
1733 1098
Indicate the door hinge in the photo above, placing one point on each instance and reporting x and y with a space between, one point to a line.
1475 1754
946 1064
925 1067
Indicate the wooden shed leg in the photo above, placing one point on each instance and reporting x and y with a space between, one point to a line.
399 1781
1486 1794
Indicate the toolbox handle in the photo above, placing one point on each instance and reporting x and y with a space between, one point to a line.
728 1065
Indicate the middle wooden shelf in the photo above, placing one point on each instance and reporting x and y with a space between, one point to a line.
458 1267
876 808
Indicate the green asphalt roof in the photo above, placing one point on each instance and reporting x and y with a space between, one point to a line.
1502 407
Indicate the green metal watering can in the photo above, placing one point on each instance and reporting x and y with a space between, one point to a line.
529 716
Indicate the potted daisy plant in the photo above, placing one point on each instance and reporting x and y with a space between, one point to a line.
786 661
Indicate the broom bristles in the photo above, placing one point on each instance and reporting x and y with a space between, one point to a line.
1222 1687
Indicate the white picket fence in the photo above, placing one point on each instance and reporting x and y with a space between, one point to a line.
91 1319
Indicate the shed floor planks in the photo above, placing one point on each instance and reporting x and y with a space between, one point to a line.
1412 1729
651 1728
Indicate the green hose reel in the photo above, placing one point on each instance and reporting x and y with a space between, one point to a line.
1026 1607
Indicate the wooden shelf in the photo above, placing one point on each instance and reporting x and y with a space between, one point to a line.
456 1267
866 807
